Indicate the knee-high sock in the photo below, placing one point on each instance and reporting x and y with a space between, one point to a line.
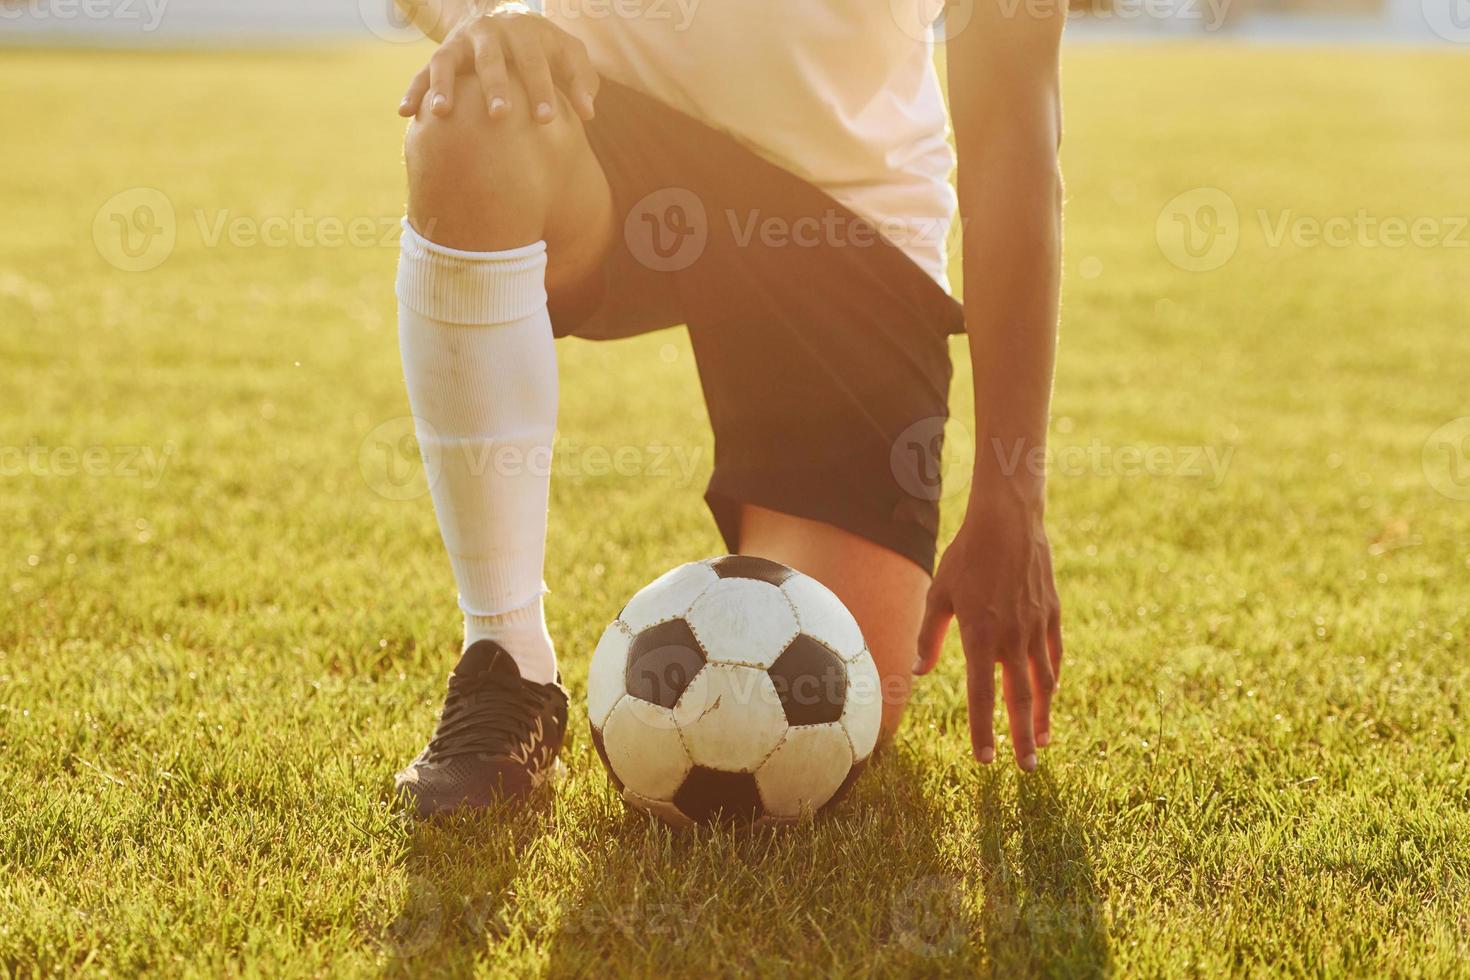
480 364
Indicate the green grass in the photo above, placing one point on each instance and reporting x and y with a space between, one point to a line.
207 676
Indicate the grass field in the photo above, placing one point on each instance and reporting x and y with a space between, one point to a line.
222 628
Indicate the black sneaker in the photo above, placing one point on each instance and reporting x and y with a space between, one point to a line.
497 738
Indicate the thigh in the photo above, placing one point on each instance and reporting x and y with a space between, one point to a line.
580 224
884 590
612 288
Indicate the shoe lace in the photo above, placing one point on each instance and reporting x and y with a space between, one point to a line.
489 714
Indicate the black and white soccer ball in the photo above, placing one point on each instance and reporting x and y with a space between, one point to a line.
734 687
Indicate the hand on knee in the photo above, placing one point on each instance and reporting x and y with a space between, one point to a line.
483 184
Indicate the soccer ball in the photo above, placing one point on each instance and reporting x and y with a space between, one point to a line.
734 688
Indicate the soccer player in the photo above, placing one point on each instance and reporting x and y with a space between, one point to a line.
775 176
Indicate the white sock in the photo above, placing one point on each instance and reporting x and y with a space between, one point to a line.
480 364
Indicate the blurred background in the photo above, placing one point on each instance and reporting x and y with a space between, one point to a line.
225 616
137 22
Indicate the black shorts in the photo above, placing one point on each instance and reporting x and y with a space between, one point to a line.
822 348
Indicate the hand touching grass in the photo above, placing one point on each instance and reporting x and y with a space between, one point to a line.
996 580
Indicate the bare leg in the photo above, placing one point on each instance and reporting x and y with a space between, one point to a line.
884 590
479 184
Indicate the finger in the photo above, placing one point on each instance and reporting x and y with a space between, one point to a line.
1019 704
494 76
1054 645
577 76
413 99
1043 683
443 69
938 614
1053 622
980 686
535 73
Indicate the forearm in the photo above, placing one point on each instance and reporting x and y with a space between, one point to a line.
996 576
1005 99
1011 199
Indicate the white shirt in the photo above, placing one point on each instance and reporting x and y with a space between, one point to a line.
839 92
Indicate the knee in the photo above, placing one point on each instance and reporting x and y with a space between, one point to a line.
481 184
